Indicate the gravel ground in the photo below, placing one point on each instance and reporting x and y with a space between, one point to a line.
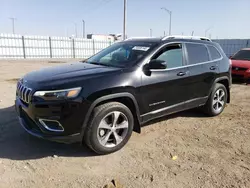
186 149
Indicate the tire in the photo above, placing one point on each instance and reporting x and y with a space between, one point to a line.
105 122
210 107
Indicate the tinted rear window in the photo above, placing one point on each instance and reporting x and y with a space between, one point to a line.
214 52
197 53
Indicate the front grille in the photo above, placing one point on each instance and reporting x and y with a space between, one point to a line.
239 68
23 92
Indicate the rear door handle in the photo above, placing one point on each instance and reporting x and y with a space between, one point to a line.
181 74
213 67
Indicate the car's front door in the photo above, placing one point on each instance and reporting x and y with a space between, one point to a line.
163 90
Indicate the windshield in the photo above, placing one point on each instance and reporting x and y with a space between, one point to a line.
242 55
122 54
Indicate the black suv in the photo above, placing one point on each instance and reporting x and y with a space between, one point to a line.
102 100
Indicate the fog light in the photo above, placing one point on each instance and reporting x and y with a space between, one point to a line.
51 125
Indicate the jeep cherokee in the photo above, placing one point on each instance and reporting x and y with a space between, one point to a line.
102 100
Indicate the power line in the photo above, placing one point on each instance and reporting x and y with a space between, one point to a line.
101 4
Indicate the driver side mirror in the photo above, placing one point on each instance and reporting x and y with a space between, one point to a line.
157 64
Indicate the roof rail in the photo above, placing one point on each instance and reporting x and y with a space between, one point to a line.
186 37
132 38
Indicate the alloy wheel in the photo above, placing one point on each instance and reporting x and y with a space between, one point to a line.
112 129
218 100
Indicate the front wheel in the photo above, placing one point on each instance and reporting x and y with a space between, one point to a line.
110 128
216 101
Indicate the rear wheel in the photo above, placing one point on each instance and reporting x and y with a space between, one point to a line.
110 128
217 100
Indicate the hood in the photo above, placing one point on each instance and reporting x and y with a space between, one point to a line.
67 72
241 63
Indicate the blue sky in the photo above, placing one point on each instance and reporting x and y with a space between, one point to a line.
228 18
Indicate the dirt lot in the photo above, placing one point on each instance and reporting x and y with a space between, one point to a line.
208 152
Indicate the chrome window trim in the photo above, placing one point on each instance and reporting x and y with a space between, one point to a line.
184 66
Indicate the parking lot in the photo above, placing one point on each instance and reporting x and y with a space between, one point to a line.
186 149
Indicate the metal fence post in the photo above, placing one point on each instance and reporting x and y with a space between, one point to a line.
24 55
50 48
73 48
93 46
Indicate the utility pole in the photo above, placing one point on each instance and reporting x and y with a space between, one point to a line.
164 33
151 32
170 18
124 19
192 33
67 32
13 24
83 29
208 30
75 30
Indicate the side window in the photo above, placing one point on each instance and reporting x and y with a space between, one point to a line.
172 54
197 53
214 52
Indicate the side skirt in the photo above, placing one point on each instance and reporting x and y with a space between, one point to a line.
193 103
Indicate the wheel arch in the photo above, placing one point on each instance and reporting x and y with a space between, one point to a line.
225 81
125 98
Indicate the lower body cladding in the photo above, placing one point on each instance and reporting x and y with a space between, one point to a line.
59 121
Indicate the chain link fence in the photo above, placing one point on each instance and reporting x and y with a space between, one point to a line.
24 47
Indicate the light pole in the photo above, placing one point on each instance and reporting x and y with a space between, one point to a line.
83 28
170 18
208 30
151 32
124 19
13 24
75 30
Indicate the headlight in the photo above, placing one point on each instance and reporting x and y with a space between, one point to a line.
59 94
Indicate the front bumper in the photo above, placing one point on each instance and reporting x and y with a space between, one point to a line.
70 114
62 139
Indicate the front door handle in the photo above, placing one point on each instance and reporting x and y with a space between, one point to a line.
181 74
213 67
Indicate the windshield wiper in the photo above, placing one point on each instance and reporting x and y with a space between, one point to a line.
102 64
97 63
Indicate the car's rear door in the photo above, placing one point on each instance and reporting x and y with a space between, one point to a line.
203 71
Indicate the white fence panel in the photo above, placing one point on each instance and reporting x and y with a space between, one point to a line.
11 46
36 47
84 48
61 47
17 46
